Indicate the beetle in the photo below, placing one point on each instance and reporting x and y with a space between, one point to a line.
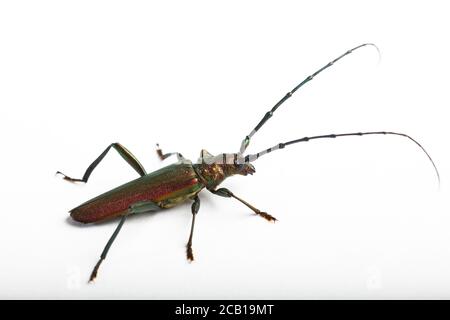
184 180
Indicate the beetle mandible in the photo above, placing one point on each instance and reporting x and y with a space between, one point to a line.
183 180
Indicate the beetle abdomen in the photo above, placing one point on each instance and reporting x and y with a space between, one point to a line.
166 187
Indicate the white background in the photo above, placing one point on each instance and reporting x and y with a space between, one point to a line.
359 217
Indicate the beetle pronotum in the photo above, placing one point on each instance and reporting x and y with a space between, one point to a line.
182 181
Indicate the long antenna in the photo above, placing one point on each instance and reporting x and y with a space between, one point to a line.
253 157
269 113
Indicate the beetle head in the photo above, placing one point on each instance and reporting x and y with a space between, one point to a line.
245 169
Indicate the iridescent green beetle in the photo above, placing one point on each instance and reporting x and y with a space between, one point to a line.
182 181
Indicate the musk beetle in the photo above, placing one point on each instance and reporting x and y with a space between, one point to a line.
183 180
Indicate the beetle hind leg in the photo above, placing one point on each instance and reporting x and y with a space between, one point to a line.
124 152
135 208
106 249
266 216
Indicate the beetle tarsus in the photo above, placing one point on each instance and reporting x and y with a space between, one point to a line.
267 216
67 178
189 253
164 156
159 152
95 271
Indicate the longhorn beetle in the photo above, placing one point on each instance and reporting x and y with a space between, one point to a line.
183 180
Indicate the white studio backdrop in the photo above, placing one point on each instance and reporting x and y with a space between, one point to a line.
359 217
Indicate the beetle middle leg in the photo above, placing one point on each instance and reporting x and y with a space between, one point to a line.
124 152
195 208
223 192
164 156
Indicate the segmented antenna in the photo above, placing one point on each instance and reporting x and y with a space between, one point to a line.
270 113
253 157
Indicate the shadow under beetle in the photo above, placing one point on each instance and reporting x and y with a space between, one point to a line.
183 180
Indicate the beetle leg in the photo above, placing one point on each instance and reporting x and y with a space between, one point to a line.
164 156
223 192
138 207
106 249
195 208
144 207
127 155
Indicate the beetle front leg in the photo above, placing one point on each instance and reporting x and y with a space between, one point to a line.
223 192
195 208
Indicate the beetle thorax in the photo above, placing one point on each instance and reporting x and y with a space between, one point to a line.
213 170
211 174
